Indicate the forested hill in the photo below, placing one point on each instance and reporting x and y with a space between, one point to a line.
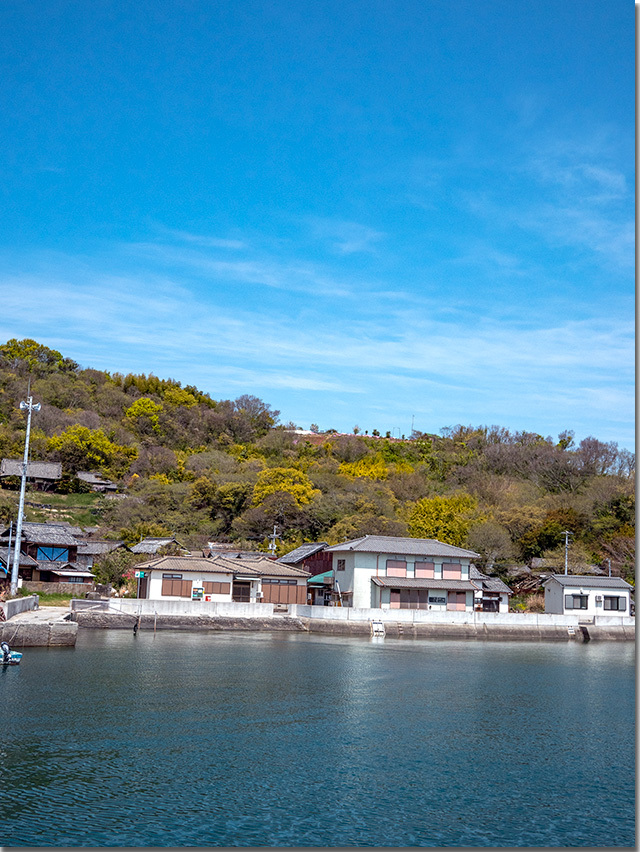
207 469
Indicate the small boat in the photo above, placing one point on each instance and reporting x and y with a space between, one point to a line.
14 659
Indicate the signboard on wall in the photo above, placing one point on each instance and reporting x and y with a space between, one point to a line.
197 593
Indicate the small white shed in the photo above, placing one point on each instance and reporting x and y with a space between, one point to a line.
576 594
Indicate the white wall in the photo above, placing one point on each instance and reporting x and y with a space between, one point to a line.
361 567
155 585
554 596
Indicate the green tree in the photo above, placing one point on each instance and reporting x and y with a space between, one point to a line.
447 519
142 416
80 448
287 479
35 356
110 568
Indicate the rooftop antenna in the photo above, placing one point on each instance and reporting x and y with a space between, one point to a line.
30 407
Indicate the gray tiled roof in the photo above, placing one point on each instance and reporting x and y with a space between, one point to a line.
93 548
577 580
35 469
92 478
25 560
222 565
491 584
185 563
153 545
44 534
495 584
410 583
263 567
404 546
303 552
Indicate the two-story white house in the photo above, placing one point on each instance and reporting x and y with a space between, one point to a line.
576 594
403 573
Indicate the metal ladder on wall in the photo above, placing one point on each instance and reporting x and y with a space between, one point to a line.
377 629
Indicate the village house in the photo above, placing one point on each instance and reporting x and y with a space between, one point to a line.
403 573
43 475
153 544
492 593
256 580
96 481
311 557
575 594
90 550
53 551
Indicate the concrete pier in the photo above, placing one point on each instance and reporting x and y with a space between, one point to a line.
47 626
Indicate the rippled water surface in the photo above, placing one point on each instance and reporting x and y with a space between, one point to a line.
297 740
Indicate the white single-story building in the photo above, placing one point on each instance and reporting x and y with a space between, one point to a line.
403 573
577 594
259 580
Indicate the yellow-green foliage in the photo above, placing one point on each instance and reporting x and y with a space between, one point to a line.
179 397
143 409
370 467
80 448
446 518
287 479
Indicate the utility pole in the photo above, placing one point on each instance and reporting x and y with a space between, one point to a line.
272 540
566 535
28 406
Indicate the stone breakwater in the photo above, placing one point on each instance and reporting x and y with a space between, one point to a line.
341 627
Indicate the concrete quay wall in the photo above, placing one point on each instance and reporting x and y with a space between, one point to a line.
36 634
199 615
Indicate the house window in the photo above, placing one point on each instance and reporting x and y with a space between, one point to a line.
213 588
72 580
424 569
173 586
341 565
576 601
615 603
52 554
396 568
457 601
451 571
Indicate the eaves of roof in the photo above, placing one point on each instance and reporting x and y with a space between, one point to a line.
411 583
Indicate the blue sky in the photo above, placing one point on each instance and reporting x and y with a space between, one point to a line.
382 214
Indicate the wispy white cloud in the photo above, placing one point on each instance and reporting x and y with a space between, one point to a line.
346 237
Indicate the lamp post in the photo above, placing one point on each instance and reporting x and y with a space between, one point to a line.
28 406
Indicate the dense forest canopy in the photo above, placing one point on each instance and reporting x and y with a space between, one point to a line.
205 469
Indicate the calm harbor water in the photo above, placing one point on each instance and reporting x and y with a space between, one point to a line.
298 740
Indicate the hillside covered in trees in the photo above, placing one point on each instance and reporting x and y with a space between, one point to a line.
227 470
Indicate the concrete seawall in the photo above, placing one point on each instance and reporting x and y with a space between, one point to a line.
248 617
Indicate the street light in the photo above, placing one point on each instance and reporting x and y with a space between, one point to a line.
29 406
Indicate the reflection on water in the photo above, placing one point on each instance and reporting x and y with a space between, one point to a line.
296 740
